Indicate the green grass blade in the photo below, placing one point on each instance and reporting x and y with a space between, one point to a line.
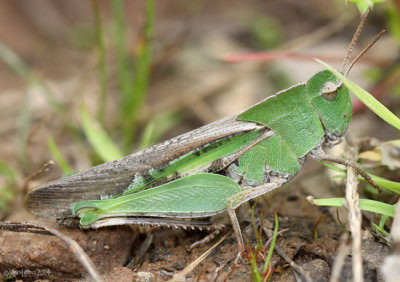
133 101
15 63
385 183
98 138
366 98
102 98
133 87
333 167
381 230
157 127
142 63
383 220
272 247
120 44
7 195
18 65
23 128
7 192
147 135
8 173
255 274
365 204
377 207
124 72
51 144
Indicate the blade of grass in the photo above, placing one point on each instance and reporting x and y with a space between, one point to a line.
102 98
333 167
366 98
51 144
365 204
15 63
7 195
123 67
381 230
7 192
120 44
123 72
157 127
23 126
255 274
98 138
383 220
382 182
8 173
134 98
147 135
272 247
142 62
385 183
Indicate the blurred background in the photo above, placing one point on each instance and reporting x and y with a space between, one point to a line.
84 82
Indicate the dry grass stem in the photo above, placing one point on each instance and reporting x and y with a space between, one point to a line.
297 270
36 174
391 265
180 276
354 217
342 252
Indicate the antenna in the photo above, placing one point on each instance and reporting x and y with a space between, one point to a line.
364 51
355 60
354 40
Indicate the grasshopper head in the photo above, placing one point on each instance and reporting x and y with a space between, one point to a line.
331 102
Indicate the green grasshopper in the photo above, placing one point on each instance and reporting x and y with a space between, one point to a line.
209 170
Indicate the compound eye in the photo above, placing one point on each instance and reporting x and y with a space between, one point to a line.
329 91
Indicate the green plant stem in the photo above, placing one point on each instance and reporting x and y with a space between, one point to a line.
51 144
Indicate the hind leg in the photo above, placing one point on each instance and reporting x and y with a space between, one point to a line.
238 199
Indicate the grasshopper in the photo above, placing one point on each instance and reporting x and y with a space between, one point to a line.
209 170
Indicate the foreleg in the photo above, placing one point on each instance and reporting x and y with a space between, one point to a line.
320 155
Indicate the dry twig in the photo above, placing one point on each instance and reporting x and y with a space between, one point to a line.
353 206
391 266
181 275
36 174
340 258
